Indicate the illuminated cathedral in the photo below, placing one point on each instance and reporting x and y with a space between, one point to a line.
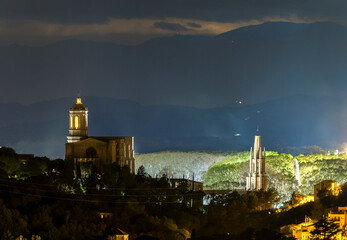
99 150
256 179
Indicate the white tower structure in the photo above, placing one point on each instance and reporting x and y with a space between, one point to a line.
256 179
78 122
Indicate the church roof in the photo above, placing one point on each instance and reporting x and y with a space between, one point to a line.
78 106
120 232
107 139
116 231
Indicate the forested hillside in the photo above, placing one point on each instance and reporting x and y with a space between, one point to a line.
178 164
232 171
228 170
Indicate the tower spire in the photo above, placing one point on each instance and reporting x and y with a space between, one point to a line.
78 129
256 179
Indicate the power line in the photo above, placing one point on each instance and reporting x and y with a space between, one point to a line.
108 188
149 192
101 194
87 200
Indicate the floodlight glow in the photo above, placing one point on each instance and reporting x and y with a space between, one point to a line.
297 171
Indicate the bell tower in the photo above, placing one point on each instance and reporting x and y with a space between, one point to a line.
78 129
256 179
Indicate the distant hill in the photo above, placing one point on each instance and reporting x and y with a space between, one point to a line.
253 63
296 71
300 120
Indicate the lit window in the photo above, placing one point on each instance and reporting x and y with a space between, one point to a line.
76 122
71 125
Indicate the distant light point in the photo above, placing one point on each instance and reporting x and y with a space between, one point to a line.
240 102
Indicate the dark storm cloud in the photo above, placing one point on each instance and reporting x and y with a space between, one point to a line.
170 26
193 25
98 11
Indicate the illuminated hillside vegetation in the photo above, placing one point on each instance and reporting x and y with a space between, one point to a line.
233 169
178 164
228 170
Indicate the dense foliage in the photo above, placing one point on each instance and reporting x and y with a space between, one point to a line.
36 207
228 170
178 164
319 167
232 171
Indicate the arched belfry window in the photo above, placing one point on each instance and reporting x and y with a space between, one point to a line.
91 153
76 122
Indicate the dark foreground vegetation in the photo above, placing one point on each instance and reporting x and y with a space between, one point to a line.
37 207
51 200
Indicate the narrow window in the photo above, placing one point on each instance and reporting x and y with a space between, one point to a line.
76 122
71 125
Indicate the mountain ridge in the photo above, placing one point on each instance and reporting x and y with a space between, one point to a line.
42 128
183 70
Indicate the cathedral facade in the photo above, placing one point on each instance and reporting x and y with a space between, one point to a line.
256 179
100 150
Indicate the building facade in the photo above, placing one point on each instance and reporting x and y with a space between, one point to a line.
340 217
301 231
256 179
329 186
81 148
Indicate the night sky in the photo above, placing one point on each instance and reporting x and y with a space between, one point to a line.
129 22
37 22
41 24
173 73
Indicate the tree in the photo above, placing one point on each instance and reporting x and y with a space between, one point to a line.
111 175
142 176
55 167
145 237
326 197
141 171
325 229
11 223
3 173
265 234
34 167
10 160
